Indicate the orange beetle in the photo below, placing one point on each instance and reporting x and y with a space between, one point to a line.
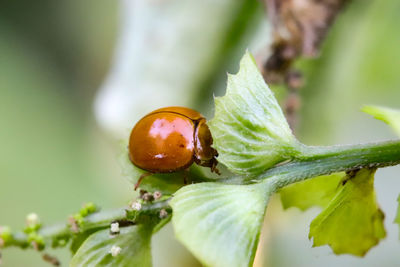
171 139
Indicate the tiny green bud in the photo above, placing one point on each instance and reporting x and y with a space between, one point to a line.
5 235
87 209
36 240
32 222
61 242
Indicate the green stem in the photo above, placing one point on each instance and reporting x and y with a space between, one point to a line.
96 221
103 219
316 161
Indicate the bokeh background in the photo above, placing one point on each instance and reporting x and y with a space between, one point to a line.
76 75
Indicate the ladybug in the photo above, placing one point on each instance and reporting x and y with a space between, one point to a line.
170 139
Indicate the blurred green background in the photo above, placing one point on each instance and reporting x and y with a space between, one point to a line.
75 75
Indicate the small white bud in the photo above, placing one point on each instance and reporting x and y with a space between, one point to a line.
163 214
115 251
148 197
157 195
136 206
115 228
32 219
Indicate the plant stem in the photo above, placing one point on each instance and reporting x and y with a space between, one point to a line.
314 161
96 221
317 161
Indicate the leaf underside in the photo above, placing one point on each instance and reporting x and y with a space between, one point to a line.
317 191
352 223
392 118
220 224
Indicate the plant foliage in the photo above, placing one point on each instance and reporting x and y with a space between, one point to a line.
249 129
133 242
219 220
225 221
352 222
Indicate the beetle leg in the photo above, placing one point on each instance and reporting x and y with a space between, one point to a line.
214 168
185 176
141 179
212 164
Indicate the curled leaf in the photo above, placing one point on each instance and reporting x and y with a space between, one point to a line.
392 118
352 223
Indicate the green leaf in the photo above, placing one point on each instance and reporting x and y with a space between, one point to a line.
78 239
353 222
392 118
387 115
220 224
249 129
317 191
134 242
167 183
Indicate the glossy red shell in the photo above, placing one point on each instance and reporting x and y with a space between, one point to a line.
168 140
